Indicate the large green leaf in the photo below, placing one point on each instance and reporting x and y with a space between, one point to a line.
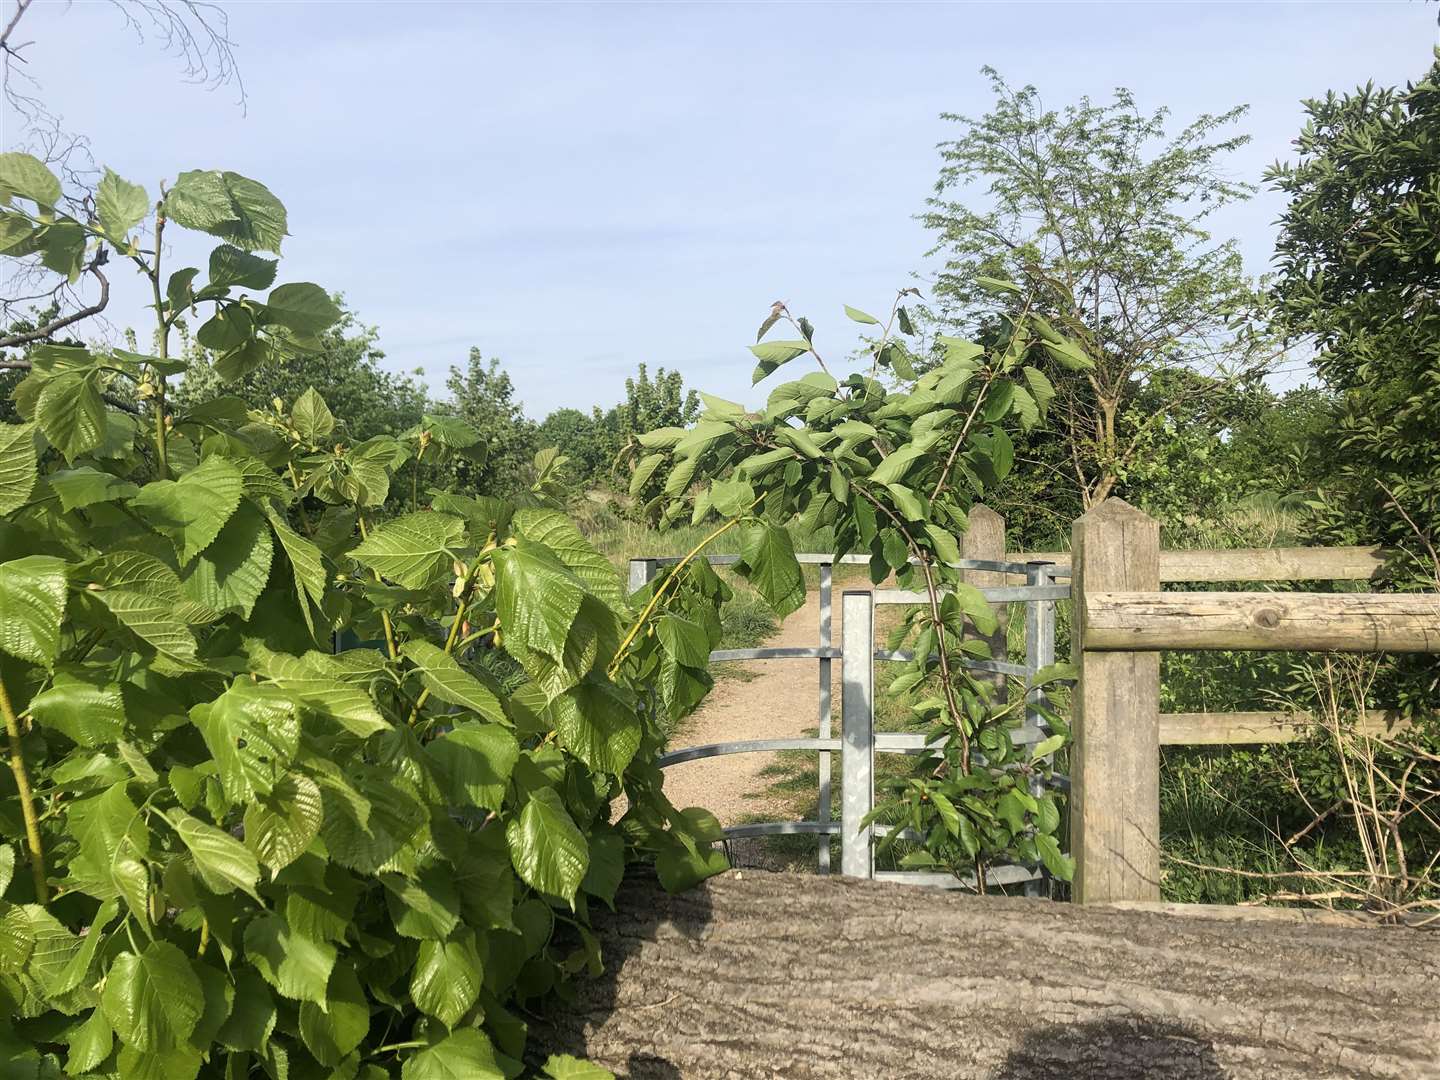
558 533
231 266
566 1067
443 676
85 706
769 564
597 725
153 1000
446 978
684 639
29 177
280 825
294 964
773 354
252 731
144 594
17 466
33 591
252 1018
230 206
231 573
474 762
71 412
312 418
330 1032
466 1054
120 205
86 486
413 551
191 511
223 862
303 307
305 563
317 681
547 850
537 597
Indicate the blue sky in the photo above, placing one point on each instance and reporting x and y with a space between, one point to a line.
577 188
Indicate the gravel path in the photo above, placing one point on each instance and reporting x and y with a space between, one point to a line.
779 700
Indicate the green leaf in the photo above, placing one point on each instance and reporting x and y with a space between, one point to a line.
644 471
89 1044
1069 355
537 597
180 291
120 205
7 867
680 867
774 354
231 573
607 864
231 266
281 825
558 533
71 412
1060 866
547 850
312 417
319 682
332 1030
1041 388
565 1067
294 964
252 1018
996 285
27 176
223 862
597 725
33 593
413 551
303 307
253 731
769 564
893 469
446 979
443 676
144 594
475 762
859 316
1046 747
153 1000
227 205
428 908
87 486
466 1054
84 707
684 639
948 814
18 469
912 507
191 511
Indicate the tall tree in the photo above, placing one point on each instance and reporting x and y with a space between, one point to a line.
483 394
1095 218
1359 279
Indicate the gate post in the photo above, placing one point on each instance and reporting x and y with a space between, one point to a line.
1115 759
822 815
641 571
857 732
1039 654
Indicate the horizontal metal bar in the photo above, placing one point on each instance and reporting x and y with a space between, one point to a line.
999 875
1004 667
749 746
1008 594
783 828
913 742
807 653
820 558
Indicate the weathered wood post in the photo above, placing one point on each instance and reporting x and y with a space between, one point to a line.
985 539
1115 759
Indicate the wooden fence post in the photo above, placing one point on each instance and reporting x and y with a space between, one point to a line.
985 539
1115 759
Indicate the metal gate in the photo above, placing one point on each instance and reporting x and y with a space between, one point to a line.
858 741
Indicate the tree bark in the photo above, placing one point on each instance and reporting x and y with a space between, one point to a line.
781 975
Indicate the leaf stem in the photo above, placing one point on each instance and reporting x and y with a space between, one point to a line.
384 615
163 348
27 798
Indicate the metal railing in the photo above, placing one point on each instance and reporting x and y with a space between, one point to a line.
859 741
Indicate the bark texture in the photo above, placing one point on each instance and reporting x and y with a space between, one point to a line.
781 975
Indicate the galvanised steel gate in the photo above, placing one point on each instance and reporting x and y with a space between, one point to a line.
859 741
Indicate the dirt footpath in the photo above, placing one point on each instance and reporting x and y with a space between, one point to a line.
779 699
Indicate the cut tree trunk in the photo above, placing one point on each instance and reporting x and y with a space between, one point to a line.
782 975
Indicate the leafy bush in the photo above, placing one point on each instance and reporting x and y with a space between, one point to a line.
250 854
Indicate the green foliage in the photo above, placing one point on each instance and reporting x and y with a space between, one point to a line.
251 854
483 395
894 473
1359 270
1093 218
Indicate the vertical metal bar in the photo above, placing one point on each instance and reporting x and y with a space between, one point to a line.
823 813
641 571
1039 653
857 731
